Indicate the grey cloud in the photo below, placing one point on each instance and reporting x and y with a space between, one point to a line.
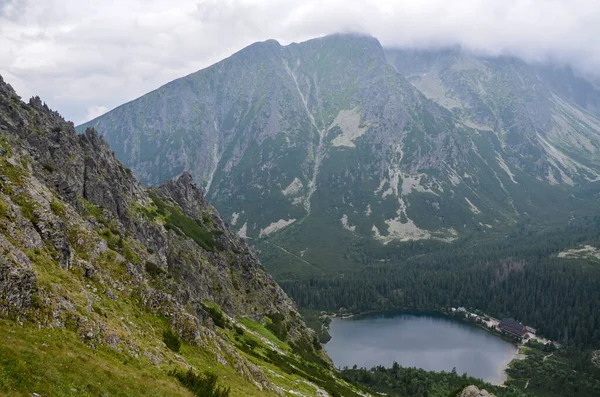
83 57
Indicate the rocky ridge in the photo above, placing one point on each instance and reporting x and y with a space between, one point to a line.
338 142
87 249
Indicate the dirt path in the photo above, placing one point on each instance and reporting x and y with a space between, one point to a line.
546 357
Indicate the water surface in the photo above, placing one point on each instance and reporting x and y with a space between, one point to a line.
431 342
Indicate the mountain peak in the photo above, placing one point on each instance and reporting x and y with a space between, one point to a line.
348 44
326 135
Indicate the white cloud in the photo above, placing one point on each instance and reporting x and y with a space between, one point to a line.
95 111
84 56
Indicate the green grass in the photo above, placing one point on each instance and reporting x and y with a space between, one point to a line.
93 209
264 332
172 340
15 174
178 222
57 207
54 362
3 209
27 206
202 385
215 313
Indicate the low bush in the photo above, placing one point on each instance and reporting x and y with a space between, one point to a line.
57 207
202 385
181 224
153 269
278 326
172 340
216 315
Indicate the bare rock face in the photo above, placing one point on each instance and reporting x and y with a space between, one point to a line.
596 358
473 391
17 279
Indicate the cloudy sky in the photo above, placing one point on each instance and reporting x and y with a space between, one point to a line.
84 57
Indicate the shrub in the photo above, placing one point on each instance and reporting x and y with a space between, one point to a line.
129 253
172 341
93 209
48 167
27 207
153 269
57 207
278 326
216 315
3 209
183 225
204 385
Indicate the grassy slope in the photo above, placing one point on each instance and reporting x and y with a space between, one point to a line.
63 360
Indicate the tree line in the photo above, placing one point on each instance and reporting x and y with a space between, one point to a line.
517 276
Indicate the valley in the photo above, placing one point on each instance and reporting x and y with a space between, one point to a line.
172 245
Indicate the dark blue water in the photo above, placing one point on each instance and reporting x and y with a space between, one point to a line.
431 342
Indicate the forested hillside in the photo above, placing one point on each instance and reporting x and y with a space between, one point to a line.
520 276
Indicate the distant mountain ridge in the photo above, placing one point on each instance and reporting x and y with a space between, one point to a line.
314 146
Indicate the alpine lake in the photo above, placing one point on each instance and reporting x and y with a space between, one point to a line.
430 341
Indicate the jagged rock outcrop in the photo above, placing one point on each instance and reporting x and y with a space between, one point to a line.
473 391
81 240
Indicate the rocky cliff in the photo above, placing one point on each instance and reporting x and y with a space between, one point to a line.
100 275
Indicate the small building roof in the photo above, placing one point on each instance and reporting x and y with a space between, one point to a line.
512 326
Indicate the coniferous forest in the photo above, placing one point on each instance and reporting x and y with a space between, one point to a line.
519 276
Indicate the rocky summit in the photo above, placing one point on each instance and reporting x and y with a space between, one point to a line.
111 288
313 148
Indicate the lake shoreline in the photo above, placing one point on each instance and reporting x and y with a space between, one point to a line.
504 365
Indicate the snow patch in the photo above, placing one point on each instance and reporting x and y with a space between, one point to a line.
234 218
405 231
587 252
242 233
346 225
402 228
349 123
275 226
413 182
550 176
298 200
381 185
293 188
368 212
474 209
376 233
504 166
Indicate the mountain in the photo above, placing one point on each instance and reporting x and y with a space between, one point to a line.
538 112
316 148
110 288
